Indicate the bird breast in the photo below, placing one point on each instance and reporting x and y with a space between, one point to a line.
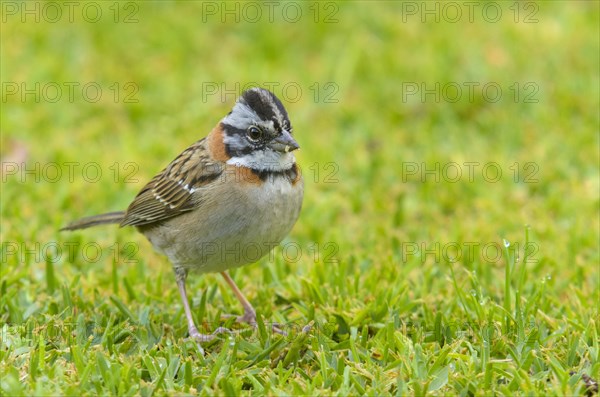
238 219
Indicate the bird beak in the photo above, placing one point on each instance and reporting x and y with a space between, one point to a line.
284 143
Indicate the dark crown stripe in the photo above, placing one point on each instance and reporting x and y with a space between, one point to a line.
281 109
256 102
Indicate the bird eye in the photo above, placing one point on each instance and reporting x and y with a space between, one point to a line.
254 133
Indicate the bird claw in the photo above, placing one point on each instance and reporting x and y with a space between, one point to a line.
196 335
250 319
247 317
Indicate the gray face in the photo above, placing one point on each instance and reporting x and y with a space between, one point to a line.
257 132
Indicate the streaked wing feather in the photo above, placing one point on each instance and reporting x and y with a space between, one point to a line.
171 192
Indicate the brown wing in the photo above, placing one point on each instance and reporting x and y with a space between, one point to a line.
172 191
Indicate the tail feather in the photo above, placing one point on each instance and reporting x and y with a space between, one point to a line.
89 221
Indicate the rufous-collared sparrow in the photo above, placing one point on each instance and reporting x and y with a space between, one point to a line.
225 201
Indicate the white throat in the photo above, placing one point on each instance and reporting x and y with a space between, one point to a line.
265 160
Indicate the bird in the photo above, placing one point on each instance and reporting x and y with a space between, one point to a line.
224 202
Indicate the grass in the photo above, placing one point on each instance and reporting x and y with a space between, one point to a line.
416 279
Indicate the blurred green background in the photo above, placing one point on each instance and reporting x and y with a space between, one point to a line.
389 100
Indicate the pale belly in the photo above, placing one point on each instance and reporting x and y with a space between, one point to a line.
233 227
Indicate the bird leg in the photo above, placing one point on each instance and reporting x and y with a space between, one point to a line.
249 315
180 276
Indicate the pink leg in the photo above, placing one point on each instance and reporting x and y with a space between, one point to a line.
249 313
181 275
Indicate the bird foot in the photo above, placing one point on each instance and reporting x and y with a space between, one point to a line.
196 335
249 317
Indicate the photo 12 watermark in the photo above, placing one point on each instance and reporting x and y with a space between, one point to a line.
488 331
469 172
68 171
269 11
51 12
69 91
68 251
469 11
469 91
211 252
290 92
491 252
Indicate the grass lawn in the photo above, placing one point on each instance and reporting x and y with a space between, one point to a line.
449 237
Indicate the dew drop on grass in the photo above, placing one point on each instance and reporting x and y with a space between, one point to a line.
548 277
506 242
452 367
473 292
